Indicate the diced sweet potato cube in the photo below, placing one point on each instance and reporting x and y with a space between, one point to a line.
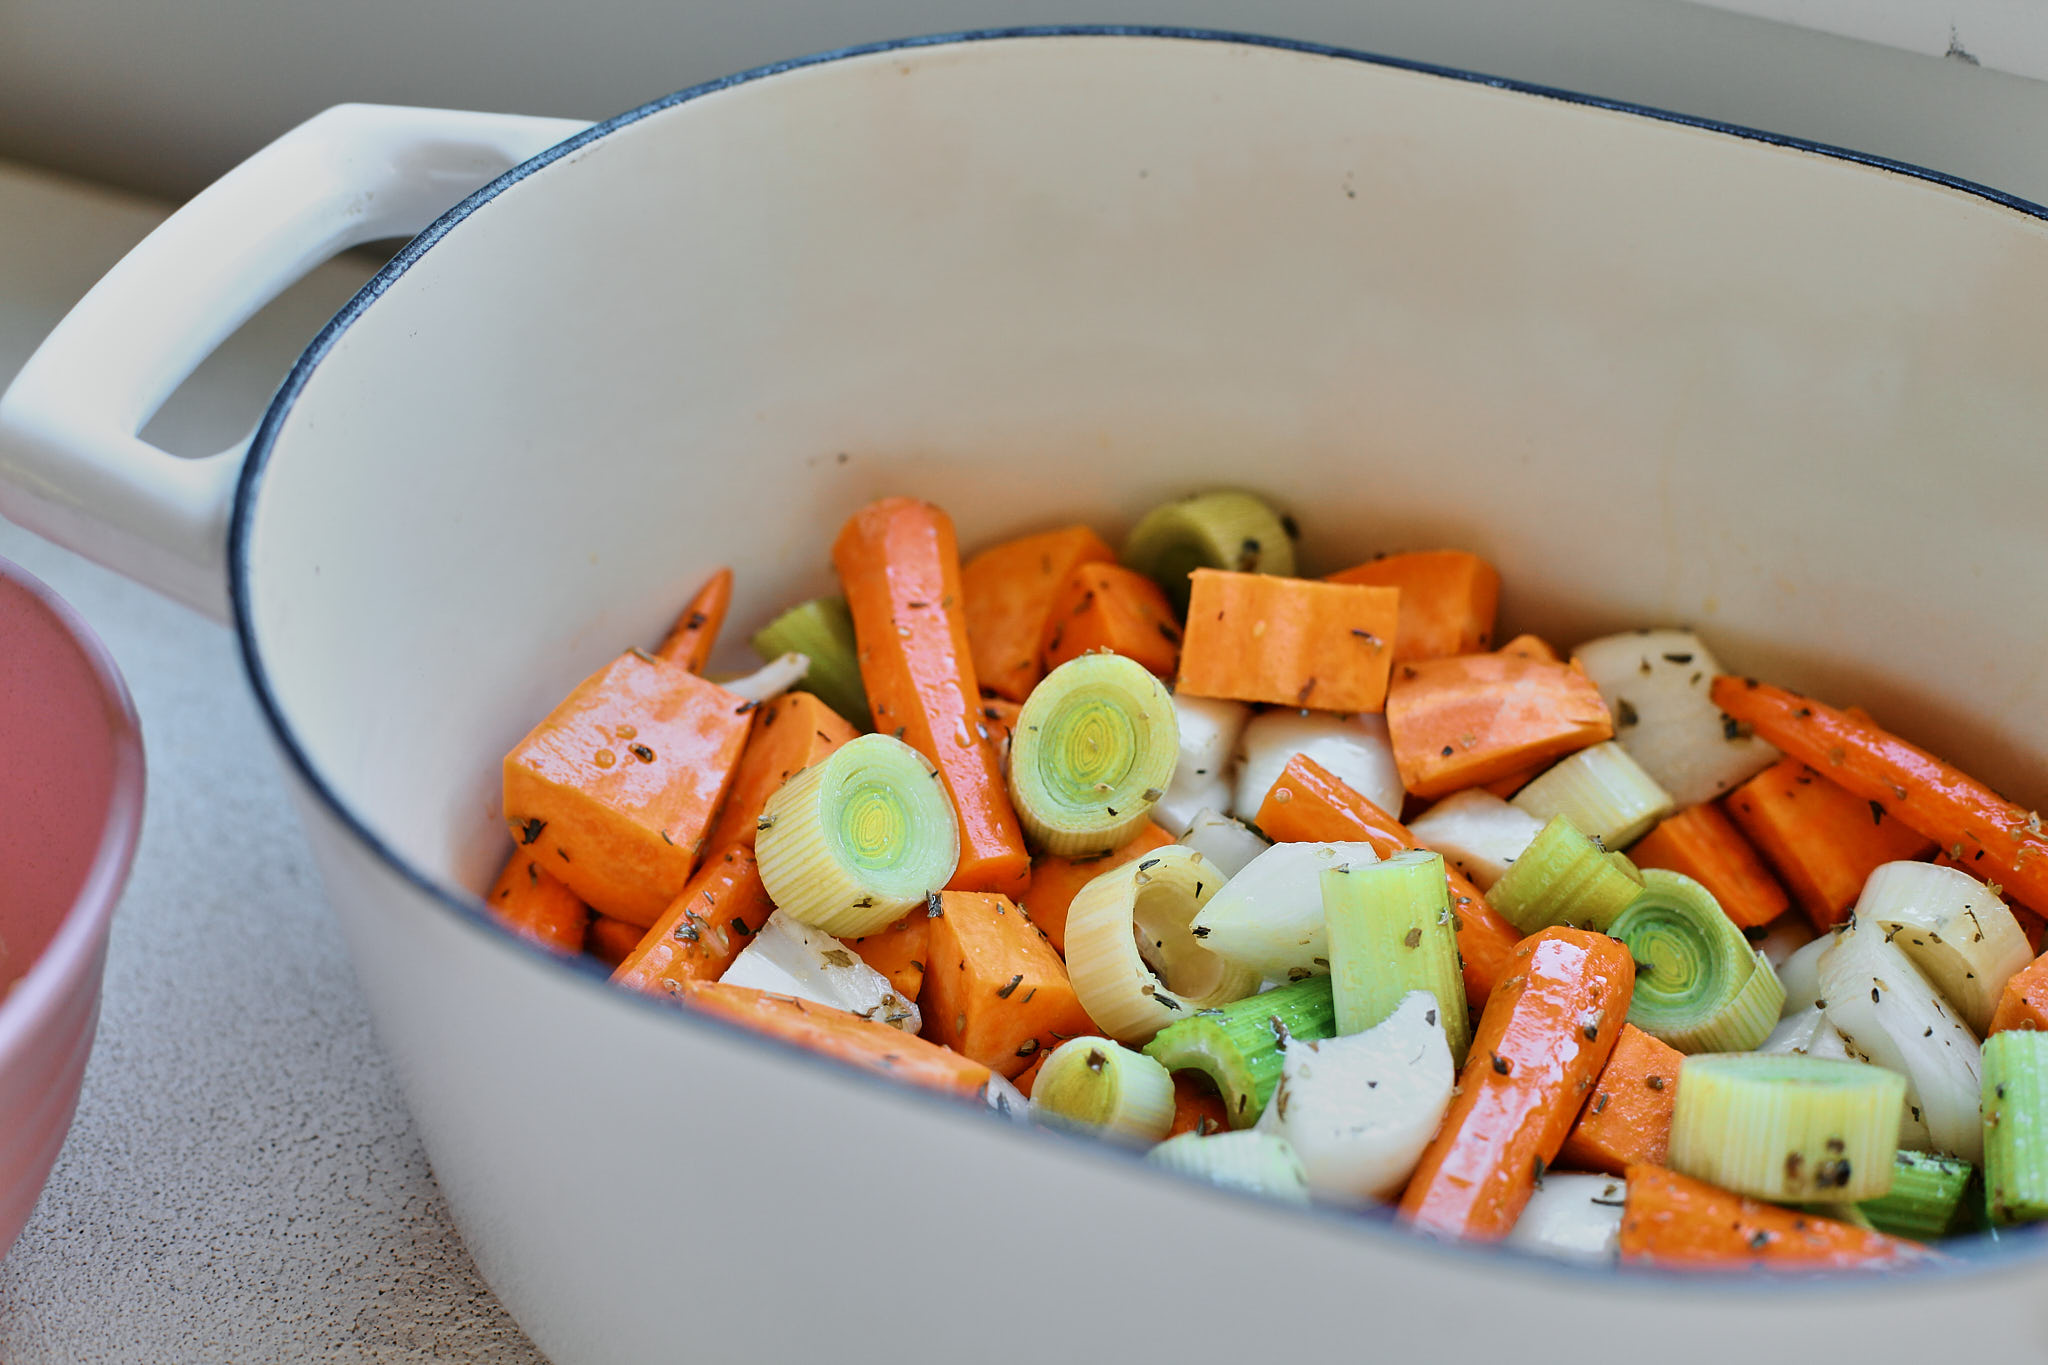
1822 840
994 989
1109 607
789 734
1448 600
1288 641
535 905
1006 594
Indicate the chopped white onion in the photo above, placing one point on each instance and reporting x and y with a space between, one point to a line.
1222 840
1800 975
1655 682
1179 807
1806 1033
790 958
1953 928
1006 1099
1478 833
1359 1110
1269 917
1573 1217
1355 749
771 679
1209 730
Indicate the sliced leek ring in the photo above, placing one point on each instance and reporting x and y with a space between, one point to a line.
1252 1162
1093 749
1789 1129
851 842
1699 985
1563 877
1093 1085
1602 791
1217 530
1134 964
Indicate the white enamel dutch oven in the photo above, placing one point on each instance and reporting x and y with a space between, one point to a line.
1657 371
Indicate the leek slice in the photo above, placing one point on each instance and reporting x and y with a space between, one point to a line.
2016 1126
1602 791
1953 927
1255 1163
1223 841
1890 1013
851 842
1478 832
1563 878
1218 530
1208 728
1360 1109
1391 934
1574 1217
793 959
1092 750
822 631
1699 985
1801 975
1789 1129
1268 919
1357 749
1655 682
1091 1085
1133 963
1925 1199
1238 1045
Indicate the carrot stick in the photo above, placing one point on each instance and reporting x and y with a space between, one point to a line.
1255 637
612 941
695 633
1109 607
1198 1107
1673 1220
533 904
2024 1002
1999 841
703 929
1545 1035
1055 881
1006 595
790 733
1465 721
859 1042
1448 600
1626 1121
1703 844
901 571
1824 841
1307 804
994 989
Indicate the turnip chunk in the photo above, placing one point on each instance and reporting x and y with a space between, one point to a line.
1209 731
1477 833
1655 682
1573 1217
1223 841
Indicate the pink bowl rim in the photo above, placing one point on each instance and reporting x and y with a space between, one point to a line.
71 956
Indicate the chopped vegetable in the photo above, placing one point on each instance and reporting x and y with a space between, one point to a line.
1626 1120
1218 530
695 632
1806 1033
822 631
1252 1163
793 959
1268 918
1197 1105
2016 1127
1926 1198
1237 1046
1699 985
1953 927
1223 841
528 899
1563 877
1108 608
858 1042
901 571
1602 791
612 941
1209 731
994 990
1289 641
1390 937
790 734
703 929
1056 881
853 841
1657 684
1532 1063
2024 1003
1574 1217
1093 1085
1675 1221
1095 748
1006 595
899 952
1480 834
1465 721
1353 749
1703 844
1788 1129
1448 599
1823 841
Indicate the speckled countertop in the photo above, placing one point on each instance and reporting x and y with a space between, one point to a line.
242 1182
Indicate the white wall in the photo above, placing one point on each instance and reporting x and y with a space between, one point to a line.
163 95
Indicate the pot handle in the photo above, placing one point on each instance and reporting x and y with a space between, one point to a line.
72 465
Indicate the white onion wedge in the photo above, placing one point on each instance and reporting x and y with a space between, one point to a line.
1954 929
1800 975
1355 749
1655 682
1222 840
791 958
1477 833
1268 919
1573 1217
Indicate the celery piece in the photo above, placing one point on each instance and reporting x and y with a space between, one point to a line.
2016 1126
1390 933
1926 1197
1699 985
1562 878
1602 791
822 631
1787 1128
1238 1045
1093 749
1217 530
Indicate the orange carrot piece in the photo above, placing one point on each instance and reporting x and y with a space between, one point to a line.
999 719
1626 1121
1198 1107
1006 596
1056 881
1028 1077
1703 844
2024 1003
1308 804
695 633
1109 607
703 929
899 952
1524 1083
790 733
901 570
1465 721
1674 1220
1448 600
1256 637
1999 841
994 989
859 1042
612 941
1823 841
535 905
615 789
